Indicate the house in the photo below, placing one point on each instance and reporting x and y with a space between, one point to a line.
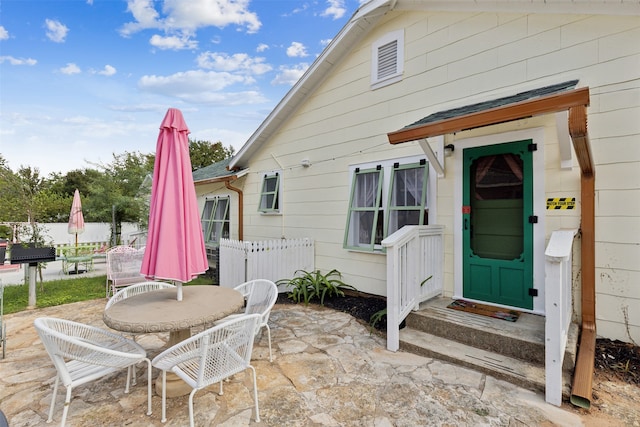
513 125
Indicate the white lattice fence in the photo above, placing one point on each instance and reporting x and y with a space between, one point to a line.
241 261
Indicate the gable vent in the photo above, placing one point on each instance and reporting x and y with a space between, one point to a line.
388 59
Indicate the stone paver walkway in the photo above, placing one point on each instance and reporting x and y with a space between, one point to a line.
328 370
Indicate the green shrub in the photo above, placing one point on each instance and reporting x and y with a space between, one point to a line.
376 318
310 285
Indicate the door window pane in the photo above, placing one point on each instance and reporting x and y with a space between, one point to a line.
497 206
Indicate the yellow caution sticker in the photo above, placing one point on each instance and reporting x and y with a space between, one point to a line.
561 203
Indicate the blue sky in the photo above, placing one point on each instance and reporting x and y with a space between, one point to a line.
82 79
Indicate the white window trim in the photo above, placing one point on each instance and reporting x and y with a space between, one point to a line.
397 76
387 166
280 189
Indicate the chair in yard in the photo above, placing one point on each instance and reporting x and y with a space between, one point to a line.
137 289
83 353
123 267
210 357
260 297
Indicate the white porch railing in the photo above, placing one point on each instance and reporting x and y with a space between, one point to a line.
415 257
241 261
558 309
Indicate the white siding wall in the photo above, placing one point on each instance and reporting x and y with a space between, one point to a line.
455 59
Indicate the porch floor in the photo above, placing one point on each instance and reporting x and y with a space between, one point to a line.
513 351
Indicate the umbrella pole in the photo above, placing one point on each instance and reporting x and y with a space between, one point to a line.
76 253
179 290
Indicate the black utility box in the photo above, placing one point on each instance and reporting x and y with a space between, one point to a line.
27 254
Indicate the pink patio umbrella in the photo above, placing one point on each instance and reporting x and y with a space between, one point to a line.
175 243
76 219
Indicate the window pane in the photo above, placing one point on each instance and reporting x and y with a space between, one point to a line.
407 187
270 184
221 209
366 190
364 225
208 207
266 202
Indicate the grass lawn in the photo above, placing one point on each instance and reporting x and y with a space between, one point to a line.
64 291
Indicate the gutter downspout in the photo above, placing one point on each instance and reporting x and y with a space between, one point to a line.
581 391
240 209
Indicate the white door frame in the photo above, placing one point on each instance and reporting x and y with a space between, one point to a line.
539 206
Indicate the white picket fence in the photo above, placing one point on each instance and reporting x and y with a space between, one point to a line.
241 261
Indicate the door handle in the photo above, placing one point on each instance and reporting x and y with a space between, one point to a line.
466 223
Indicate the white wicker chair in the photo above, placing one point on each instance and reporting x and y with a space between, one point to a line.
210 357
123 267
83 353
260 296
137 289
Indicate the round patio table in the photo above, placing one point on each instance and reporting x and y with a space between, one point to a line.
160 311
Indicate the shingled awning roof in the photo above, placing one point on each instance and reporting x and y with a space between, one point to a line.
548 99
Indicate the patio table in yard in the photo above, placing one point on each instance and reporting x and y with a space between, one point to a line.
160 311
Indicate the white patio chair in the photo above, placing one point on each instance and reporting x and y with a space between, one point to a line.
210 357
260 296
83 353
137 289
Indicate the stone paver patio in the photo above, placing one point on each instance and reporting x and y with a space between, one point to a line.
328 370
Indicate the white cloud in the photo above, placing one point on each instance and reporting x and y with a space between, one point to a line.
297 50
201 86
190 15
173 42
4 34
335 9
194 14
290 75
18 61
325 42
56 31
107 71
144 14
240 62
70 69
262 47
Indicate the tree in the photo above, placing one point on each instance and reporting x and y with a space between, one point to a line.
204 153
114 196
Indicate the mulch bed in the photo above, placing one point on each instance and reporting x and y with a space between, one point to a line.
619 359
360 307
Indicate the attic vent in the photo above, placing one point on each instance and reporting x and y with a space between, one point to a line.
388 60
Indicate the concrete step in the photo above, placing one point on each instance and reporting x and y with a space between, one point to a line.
523 339
516 371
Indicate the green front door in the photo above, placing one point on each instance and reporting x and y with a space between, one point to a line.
497 222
